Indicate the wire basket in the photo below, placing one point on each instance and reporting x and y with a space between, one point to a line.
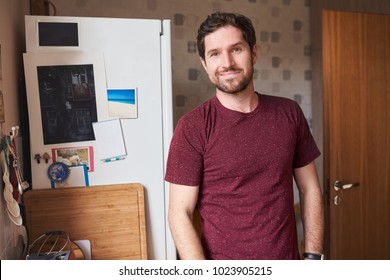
52 245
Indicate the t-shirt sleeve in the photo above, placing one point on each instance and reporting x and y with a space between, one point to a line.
185 158
306 149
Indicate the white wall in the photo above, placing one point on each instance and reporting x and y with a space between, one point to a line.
12 46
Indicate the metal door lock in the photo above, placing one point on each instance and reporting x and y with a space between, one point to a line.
337 200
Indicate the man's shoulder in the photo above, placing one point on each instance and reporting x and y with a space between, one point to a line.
199 113
277 100
278 104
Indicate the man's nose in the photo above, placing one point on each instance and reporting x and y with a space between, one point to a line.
227 60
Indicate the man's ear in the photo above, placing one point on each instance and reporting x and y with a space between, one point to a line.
203 61
254 54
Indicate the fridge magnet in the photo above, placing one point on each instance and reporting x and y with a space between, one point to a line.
37 157
122 103
58 172
73 156
46 157
67 93
110 144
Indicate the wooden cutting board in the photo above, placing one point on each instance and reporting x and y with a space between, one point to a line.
112 217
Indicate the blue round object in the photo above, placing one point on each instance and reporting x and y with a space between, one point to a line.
58 172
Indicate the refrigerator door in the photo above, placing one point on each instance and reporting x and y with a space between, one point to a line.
127 54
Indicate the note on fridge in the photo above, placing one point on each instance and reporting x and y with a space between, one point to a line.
110 143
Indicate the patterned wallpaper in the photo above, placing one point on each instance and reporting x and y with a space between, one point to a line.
282 31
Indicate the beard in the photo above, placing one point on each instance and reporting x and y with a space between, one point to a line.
234 85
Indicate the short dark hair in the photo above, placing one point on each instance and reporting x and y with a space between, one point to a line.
218 20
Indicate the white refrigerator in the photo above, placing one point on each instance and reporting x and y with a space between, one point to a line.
101 88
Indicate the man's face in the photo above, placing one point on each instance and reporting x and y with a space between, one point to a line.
229 60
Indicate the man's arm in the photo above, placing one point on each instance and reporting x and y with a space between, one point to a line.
312 208
182 202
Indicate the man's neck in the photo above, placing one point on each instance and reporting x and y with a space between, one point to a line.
245 101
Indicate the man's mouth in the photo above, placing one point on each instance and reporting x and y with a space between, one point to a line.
231 72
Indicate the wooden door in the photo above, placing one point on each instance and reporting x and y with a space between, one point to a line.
356 61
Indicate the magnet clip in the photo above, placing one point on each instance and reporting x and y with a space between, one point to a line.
37 157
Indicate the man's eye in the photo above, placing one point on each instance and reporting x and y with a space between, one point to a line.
236 49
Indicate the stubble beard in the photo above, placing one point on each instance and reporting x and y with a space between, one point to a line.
234 86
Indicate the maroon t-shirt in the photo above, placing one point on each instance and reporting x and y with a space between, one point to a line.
243 164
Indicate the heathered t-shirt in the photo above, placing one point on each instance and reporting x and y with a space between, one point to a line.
243 164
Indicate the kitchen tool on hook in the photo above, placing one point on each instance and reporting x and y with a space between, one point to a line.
22 185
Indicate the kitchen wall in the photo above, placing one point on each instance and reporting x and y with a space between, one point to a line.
11 48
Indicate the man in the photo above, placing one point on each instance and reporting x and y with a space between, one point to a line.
234 157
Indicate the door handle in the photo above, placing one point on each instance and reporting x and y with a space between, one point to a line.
337 185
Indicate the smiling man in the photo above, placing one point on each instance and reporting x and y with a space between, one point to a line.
235 157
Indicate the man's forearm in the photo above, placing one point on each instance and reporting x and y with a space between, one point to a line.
313 221
186 239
